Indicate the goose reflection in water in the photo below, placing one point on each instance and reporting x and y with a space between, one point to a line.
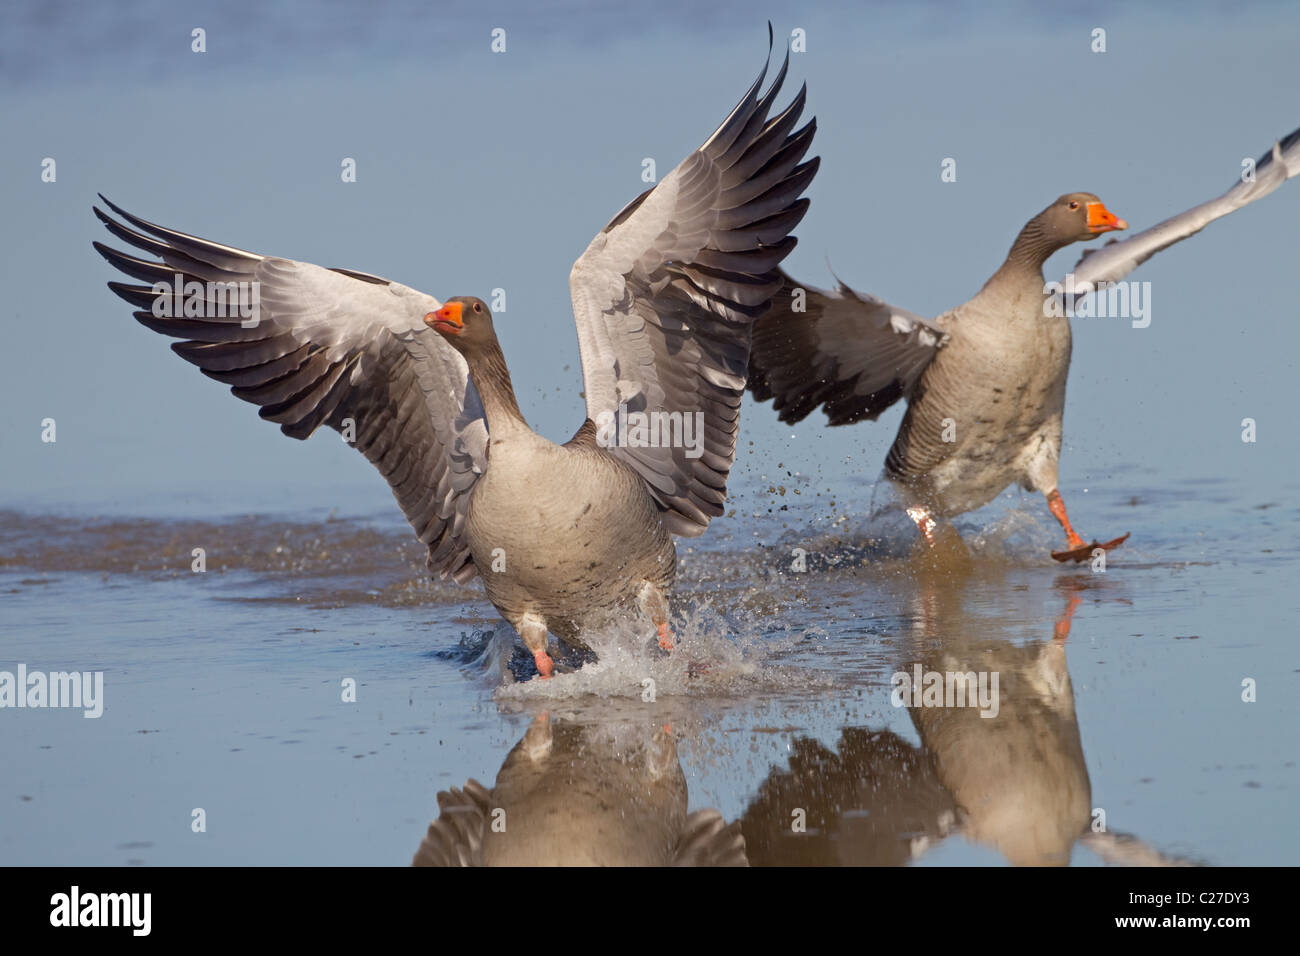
574 794
1015 781
1019 775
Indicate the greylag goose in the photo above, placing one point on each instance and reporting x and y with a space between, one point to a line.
985 382
569 795
563 536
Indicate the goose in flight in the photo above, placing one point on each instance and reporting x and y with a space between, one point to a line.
985 382
564 536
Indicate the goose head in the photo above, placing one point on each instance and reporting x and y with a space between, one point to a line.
1078 217
465 322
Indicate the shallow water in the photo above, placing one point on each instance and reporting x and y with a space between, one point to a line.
1119 697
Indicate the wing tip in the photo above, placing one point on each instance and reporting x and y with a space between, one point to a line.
741 112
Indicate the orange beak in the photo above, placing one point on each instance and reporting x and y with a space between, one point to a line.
1101 219
447 320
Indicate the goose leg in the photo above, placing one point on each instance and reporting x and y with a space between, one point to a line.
1078 550
1056 504
654 604
532 628
924 522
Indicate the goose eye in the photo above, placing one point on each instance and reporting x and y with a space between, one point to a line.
477 307
1074 204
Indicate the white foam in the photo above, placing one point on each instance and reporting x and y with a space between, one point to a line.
714 657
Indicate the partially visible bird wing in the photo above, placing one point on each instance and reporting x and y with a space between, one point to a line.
1118 258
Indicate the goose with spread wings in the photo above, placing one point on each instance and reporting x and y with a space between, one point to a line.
985 382
567 536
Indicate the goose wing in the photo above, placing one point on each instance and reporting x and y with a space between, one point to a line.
665 297
849 352
314 346
1118 258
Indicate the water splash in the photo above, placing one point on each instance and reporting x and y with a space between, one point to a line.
716 655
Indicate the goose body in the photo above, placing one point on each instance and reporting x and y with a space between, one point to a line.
570 525
985 382
997 389
664 298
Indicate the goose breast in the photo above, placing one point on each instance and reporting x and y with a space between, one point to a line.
568 528
988 408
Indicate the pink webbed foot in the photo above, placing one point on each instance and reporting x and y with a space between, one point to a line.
1084 551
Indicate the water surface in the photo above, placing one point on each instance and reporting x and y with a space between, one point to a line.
1119 691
